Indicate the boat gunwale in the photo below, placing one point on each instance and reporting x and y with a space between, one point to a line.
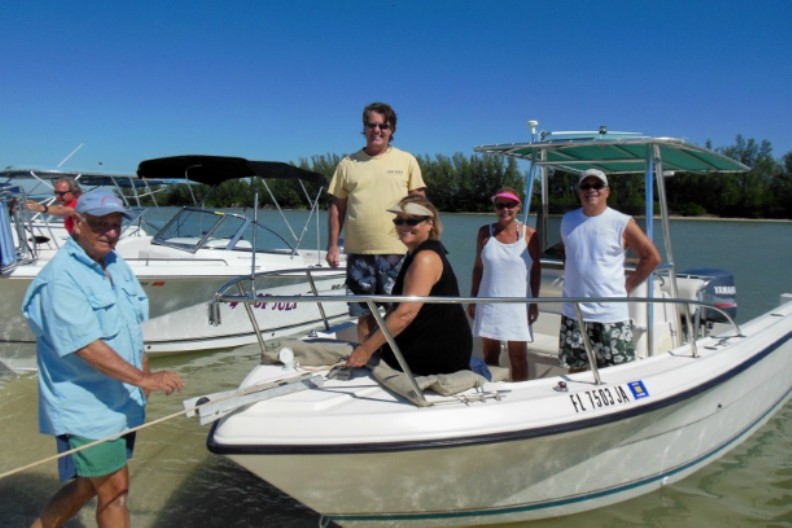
509 436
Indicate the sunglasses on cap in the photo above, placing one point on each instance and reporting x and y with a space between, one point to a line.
596 186
412 222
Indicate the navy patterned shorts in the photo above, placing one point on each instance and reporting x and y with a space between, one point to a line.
612 343
371 275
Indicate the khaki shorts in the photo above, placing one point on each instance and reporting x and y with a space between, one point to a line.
612 343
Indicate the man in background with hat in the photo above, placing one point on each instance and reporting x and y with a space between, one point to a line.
596 239
85 308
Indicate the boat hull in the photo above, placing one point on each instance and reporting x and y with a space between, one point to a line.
574 452
178 316
182 265
172 330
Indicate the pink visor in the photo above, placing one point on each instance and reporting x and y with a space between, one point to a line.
506 195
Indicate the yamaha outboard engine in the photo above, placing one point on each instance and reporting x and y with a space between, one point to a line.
719 290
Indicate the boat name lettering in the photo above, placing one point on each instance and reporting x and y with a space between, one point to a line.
726 290
598 398
264 305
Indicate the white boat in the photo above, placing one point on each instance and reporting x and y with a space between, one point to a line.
187 260
555 445
29 241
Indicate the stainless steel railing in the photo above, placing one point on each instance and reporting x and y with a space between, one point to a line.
246 293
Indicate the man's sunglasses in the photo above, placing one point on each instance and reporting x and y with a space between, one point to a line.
61 193
506 205
381 126
412 222
595 186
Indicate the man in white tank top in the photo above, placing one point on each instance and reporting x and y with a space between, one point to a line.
596 239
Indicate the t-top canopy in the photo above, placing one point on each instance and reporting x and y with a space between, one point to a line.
624 153
214 170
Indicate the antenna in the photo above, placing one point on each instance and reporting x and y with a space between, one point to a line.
529 179
532 124
73 152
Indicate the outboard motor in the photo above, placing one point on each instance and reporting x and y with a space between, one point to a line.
719 289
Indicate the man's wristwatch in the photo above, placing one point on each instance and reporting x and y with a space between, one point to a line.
46 208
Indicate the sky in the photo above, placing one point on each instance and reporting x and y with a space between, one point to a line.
288 80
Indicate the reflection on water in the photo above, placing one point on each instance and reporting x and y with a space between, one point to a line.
219 493
216 493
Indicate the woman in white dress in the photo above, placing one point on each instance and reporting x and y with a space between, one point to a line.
507 265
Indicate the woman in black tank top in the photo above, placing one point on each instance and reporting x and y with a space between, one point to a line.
434 338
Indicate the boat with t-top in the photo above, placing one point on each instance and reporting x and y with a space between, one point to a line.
367 449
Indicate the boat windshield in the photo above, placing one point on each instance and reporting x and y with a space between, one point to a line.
192 229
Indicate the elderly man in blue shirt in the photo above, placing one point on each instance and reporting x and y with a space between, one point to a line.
85 308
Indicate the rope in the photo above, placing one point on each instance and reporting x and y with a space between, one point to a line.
340 363
95 442
185 412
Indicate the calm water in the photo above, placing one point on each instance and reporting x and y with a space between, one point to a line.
177 482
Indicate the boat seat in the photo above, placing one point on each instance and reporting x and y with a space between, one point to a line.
499 373
662 322
544 348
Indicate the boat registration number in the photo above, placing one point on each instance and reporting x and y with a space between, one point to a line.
600 397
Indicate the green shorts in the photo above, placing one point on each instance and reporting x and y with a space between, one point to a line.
612 343
97 461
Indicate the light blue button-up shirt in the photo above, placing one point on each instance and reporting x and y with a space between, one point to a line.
69 305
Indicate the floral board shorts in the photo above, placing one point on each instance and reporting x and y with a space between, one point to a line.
371 275
612 343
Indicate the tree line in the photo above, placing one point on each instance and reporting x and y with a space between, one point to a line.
464 183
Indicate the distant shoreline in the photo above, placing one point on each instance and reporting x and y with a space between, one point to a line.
718 219
679 217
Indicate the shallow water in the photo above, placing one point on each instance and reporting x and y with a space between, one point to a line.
175 481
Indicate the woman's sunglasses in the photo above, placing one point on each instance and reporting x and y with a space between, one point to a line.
412 222
506 205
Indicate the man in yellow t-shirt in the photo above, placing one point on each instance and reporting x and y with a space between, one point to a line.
364 186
